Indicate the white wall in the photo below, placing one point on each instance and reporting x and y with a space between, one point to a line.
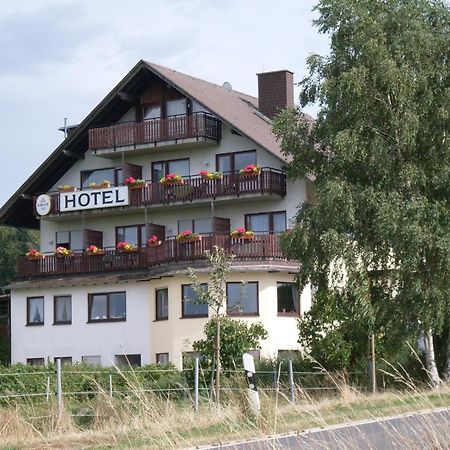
80 338
176 335
140 333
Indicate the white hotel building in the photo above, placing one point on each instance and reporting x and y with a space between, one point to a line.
101 308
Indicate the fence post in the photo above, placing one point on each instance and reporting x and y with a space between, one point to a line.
59 387
291 382
110 385
47 391
196 374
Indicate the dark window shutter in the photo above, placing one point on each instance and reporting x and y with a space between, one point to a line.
156 230
132 170
92 237
220 225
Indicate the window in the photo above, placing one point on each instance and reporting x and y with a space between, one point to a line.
94 360
189 306
287 299
70 239
269 222
255 353
201 226
128 360
288 354
175 107
232 162
65 360
152 112
107 307
162 168
62 309
134 234
242 299
162 358
35 311
35 361
196 107
162 304
114 175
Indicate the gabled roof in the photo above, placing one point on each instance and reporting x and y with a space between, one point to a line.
234 108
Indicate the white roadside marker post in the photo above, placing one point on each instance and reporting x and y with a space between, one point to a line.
250 376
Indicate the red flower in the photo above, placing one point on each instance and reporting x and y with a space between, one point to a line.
203 172
130 180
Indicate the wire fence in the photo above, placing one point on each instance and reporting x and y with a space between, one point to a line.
195 383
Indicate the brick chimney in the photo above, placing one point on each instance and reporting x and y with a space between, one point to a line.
275 91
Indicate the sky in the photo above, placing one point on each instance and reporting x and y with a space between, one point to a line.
59 58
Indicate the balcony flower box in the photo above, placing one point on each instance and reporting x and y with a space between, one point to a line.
250 170
210 175
93 250
154 241
34 255
63 252
66 188
105 184
126 247
171 179
242 233
187 236
134 183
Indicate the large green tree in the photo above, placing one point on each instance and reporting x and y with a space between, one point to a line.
14 242
378 236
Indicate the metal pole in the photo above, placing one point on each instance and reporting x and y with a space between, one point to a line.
110 385
59 387
196 373
291 382
47 391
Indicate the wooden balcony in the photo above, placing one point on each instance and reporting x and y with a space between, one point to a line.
196 126
262 247
195 189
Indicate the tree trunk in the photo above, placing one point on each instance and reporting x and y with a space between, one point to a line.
217 355
431 360
447 365
373 371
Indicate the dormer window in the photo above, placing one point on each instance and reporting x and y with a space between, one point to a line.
176 107
152 112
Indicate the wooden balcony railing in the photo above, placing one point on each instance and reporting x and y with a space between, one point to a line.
196 125
261 247
269 181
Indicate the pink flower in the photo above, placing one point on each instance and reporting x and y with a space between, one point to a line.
186 233
130 180
240 230
153 239
204 172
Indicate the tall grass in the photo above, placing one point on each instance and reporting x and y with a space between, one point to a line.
144 419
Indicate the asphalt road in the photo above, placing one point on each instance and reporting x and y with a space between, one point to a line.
427 430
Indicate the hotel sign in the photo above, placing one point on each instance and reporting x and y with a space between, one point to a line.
93 199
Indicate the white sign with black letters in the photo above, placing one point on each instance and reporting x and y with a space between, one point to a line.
43 204
93 199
